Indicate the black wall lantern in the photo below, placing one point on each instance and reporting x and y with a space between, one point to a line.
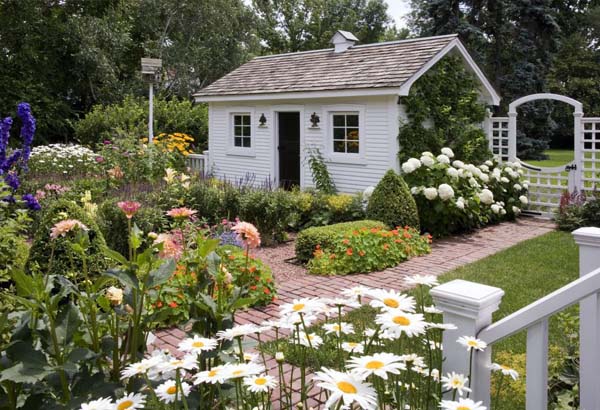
262 120
315 120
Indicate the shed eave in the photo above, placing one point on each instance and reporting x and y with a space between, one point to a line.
351 92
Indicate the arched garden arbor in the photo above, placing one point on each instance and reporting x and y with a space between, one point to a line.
547 184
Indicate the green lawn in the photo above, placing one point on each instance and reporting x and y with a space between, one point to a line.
557 157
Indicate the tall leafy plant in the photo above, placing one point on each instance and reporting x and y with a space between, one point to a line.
321 177
444 110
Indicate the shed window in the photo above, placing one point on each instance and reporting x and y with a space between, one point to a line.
242 130
346 135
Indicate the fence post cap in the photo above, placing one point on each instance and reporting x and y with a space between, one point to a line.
587 236
467 298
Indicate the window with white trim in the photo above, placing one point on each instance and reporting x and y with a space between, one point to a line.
346 132
242 130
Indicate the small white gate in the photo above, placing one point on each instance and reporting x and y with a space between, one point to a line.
546 185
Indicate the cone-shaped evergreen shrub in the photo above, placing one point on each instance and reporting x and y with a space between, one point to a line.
392 202
65 261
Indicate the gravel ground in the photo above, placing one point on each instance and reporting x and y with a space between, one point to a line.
275 257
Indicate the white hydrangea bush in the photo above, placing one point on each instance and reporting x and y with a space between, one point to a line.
66 159
453 196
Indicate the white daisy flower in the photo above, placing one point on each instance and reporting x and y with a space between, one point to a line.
294 320
217 374
433 310
356 291
305 306
472 343
398 322
442 326
187 362
237 331
312 340
390 299
507 371
461 404
353 347
167 391
346 388
244 370
413 359
353 303
435 374
131 401
426 280
455 381
250 357
140 367
99 404
197 345
260 384
379 364
338 329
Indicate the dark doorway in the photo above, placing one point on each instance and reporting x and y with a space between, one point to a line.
289 149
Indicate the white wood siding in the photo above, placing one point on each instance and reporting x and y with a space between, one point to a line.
378 139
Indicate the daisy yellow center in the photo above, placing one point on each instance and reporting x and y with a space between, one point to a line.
505 367
177 362
347 388
298 307
212 373
125 405
352 344
261 381
472 343
198 344
336 328
401 320
463 408
237 372
374 365
389 302
172 390
456 382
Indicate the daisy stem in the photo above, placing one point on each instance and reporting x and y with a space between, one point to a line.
180 389
239 340
305 330
470 370
149 383
375 335
497 398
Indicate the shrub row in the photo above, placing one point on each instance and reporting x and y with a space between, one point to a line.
325 236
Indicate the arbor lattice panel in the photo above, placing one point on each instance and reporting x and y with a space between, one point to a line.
590 148
499 137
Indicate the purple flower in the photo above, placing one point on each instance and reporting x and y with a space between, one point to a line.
99 159
27 130
12 179
31 202
5 126
10 161
107 142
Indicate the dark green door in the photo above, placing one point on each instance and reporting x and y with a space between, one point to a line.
289 149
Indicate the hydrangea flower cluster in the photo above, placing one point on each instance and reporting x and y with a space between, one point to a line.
453 196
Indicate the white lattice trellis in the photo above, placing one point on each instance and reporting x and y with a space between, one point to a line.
499 137
590 148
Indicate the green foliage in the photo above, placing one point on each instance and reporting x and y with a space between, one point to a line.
444 110
57 256
291 25
367 250
13 246
112 223
577 210
320 173
130 117
315 209
392 202
270 211
325 236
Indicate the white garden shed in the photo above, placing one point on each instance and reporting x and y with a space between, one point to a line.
265 116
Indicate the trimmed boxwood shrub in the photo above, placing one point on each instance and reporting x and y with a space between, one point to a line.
64 259
392 202
113 223
308 239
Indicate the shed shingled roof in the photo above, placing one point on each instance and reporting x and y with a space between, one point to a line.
377 65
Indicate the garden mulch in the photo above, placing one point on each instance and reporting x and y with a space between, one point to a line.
294 282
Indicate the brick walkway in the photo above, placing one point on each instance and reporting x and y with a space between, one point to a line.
447 254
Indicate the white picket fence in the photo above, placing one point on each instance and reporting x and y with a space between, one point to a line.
470 306
198 162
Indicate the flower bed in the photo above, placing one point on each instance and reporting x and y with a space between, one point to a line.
367 250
